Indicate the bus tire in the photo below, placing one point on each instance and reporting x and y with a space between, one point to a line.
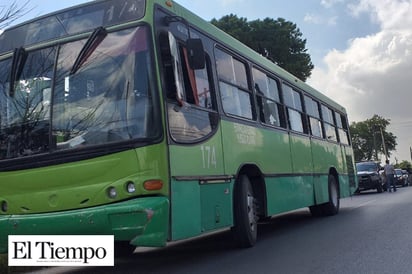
332 206
245 213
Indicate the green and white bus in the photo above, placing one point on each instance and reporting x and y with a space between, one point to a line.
138 119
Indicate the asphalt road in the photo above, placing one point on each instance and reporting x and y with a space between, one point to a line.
371 234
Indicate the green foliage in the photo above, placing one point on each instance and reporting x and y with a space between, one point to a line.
404 165
367 138
278 40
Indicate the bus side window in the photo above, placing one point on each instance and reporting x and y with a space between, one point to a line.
234 88
342 129
190 106
312 110
329 124
268 99
293 102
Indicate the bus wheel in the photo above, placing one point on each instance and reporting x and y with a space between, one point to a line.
123 248
245 213
332 206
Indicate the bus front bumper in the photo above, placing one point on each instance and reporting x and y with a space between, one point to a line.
142 222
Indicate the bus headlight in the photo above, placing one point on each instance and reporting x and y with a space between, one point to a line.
130 187
112 192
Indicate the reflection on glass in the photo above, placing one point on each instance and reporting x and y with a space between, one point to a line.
231 70
295 120
188 124
25 114
316 127
72 21
327 115
292 98
330 132
343 137
108 99
270 113
236 101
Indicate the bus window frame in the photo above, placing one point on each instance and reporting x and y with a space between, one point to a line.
326 123
310 116
305 129
279 104
179 103
249 90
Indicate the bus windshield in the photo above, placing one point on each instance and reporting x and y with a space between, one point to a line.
50 107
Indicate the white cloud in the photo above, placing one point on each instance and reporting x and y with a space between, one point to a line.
330 3
372 76
389 13
312 18
319 20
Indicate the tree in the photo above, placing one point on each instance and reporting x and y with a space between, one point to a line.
404 165
367 137
278 40
10 13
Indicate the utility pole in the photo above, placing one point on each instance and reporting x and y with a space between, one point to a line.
374 146
384 145
410 150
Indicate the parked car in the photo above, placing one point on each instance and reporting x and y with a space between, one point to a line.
399 178
368 176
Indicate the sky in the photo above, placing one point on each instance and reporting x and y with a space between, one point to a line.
361 49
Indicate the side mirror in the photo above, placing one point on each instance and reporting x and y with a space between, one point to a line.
196 53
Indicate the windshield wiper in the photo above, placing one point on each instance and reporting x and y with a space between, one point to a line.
92 43
19 59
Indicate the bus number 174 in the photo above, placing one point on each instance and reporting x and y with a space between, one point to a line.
208 156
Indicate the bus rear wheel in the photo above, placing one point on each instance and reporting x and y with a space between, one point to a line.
331 207
245 213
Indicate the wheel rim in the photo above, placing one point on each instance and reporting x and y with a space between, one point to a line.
334 194
251 212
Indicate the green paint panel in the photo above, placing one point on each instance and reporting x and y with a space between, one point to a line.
301 151
185 209
344 186
288 193
326 155
320 184
216 204
269 149
200 159
198 208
